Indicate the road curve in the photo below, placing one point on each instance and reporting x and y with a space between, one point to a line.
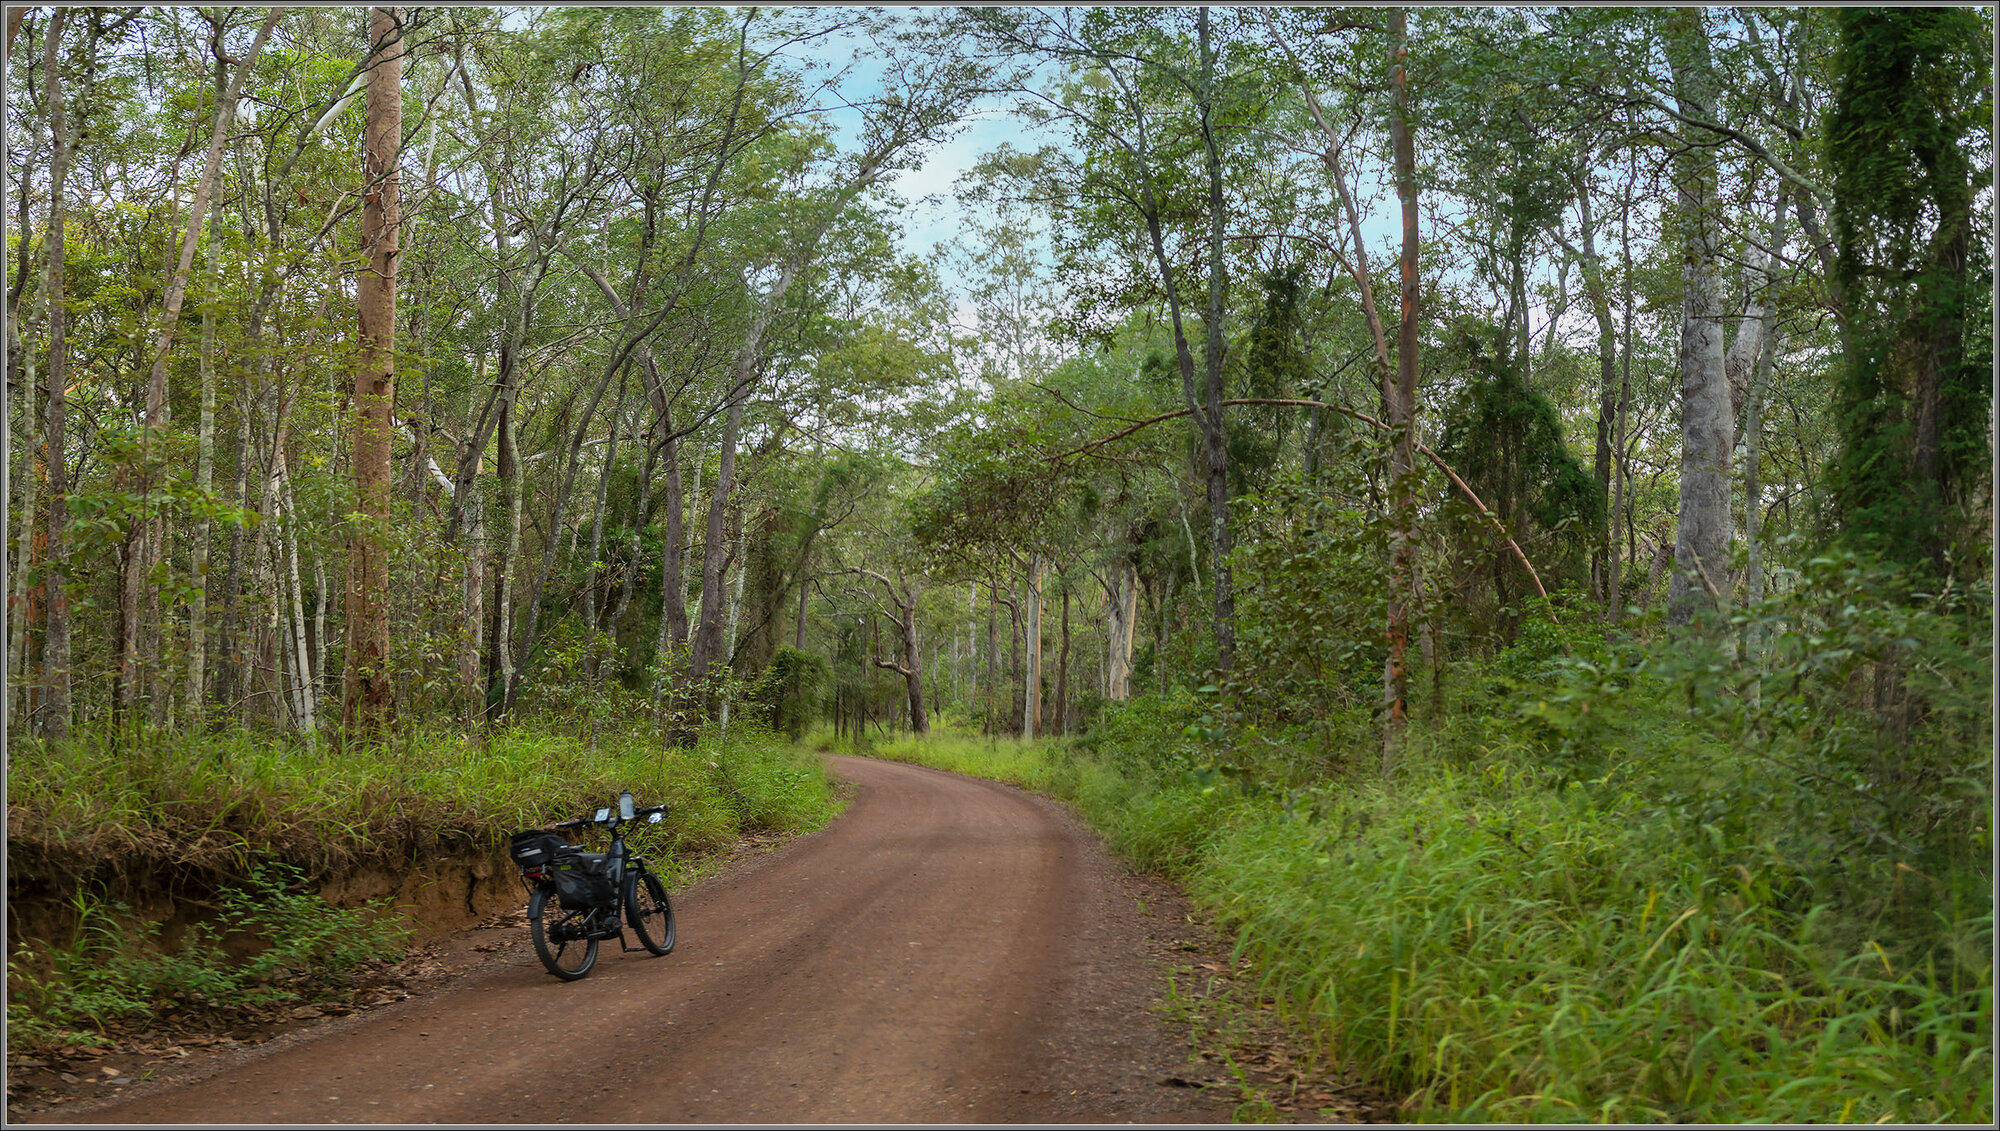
948 950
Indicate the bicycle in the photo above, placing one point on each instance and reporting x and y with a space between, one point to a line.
578 898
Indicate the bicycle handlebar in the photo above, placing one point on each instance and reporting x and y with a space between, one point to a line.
591 819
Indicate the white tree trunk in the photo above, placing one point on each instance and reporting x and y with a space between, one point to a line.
1124 620
303 688
1701 545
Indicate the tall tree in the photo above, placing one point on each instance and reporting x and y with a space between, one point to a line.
1701 540
54 721
1914 384
368 701
1403 405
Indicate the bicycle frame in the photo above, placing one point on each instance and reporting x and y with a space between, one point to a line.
606 922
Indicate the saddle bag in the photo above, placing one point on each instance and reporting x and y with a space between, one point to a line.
583 880
535 849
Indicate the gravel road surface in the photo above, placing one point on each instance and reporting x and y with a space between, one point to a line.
948 950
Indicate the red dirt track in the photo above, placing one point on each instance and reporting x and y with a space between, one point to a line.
949 950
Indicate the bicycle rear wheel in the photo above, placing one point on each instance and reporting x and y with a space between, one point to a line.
649 912
559 936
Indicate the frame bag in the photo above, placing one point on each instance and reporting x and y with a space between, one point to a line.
583 880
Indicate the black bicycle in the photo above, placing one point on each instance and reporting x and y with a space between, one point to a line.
578 899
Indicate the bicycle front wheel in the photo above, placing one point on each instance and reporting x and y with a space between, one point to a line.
559 936
649 912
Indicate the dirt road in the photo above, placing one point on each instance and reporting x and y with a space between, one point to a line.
948 950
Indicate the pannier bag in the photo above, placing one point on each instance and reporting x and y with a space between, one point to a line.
583 880
536 849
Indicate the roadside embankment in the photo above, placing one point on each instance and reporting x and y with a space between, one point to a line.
153 883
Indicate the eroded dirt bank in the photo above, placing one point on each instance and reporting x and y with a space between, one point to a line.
948 950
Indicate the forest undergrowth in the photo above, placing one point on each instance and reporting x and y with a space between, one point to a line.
1609 882
261 822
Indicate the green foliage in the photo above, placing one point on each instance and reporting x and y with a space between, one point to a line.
307 950
208 804
1857 746
1737 873
1913 86
791 689
1310 608
1503 952
1507 440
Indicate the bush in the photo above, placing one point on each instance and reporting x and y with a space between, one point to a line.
790 690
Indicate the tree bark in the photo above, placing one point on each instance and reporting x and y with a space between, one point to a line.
1124 611
1215 443
304 689
1061 723
1701 542
1402 460
204 485
472 609
368 701
1607 380
55 707
992 657
1031 677
1753 428
593 566
1614 605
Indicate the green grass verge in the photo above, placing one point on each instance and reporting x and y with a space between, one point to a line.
228 800
1504 949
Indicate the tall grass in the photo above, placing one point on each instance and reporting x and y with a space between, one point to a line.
1502 953
1503 942
221 801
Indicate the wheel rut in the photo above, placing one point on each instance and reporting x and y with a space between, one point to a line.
949 950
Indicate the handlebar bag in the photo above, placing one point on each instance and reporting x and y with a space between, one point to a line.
583 880
535 848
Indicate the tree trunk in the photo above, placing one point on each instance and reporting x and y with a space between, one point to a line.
673 571
641 516
472 609
1753 428
204 485
1614 601
1607 384
1031 678
1124 620
55 711
502 670
1402 460
992 656
593 565
913 661
1215 443
911 645
19 685
1203 397
304 688
735 608
369 701
1062 719
706 649
1701 542
1017 707
799 630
